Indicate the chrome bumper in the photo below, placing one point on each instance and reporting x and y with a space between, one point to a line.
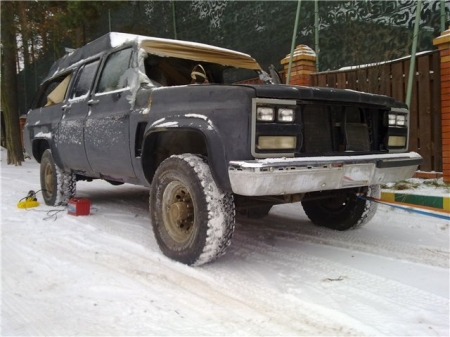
278 176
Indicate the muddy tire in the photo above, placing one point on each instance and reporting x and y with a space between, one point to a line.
57 186
345 212
193 220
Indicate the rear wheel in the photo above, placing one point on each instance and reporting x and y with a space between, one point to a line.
193 220
343 212
57 186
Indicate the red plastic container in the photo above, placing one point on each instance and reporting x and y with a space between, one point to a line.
79 206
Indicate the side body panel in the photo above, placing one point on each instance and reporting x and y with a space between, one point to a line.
220 113
107 135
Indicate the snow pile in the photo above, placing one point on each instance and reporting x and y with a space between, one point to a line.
419 186
103 274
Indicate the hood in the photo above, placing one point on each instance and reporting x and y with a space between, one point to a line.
283 91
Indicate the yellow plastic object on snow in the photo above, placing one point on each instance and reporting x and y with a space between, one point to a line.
28 203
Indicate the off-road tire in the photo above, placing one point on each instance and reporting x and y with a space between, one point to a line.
343 213
193 220
57 186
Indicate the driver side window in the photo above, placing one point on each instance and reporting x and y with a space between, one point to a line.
115 67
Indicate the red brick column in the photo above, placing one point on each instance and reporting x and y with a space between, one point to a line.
303 64
443 43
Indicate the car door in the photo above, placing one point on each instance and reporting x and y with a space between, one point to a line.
107 127
71 129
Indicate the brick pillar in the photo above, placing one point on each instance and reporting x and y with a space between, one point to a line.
443 43
303 64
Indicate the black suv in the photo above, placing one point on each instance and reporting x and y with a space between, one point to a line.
171 115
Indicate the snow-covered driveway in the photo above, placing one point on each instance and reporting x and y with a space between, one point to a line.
103 274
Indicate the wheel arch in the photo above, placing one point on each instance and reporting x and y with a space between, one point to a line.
161 142
39 147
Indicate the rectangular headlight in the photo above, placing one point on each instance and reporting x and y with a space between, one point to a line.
265 114
285 115
397 141
401 120
392 119
276 142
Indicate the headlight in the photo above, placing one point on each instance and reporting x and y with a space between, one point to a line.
276 143
392 119
397 141
285 115
401 120
265 114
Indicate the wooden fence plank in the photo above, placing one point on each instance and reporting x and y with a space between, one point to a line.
351 80
331 80
398 89
322 80
385 80
422 81
435 83
341 80
361 77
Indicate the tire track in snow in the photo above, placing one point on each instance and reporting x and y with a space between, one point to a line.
374 299
291 229
192 282
288 256
16 306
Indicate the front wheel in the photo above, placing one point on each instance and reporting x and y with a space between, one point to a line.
193 220
57 186
343 212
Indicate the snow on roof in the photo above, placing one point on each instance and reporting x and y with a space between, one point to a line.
158 46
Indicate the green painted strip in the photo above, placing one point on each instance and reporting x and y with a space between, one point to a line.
424 200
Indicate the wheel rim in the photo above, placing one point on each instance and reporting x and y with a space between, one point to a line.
178 212
48 178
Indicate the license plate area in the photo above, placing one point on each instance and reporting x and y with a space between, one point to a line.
358 175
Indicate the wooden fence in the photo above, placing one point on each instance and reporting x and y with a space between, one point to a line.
391 78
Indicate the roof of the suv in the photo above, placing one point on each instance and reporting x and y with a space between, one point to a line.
157 46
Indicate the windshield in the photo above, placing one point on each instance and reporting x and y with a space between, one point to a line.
199 53
171 71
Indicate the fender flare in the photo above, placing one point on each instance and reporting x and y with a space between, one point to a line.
217 158
50 144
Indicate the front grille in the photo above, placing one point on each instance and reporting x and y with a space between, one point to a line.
322 128
317 130
357 137
329 129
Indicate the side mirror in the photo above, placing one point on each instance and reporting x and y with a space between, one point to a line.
276 78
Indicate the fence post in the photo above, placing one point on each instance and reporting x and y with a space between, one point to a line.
303 64
443 43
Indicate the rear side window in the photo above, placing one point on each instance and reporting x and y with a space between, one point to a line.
115 67
54 91
84 79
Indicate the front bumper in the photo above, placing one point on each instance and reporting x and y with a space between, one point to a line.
279 176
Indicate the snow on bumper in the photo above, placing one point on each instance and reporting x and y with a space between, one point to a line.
277 176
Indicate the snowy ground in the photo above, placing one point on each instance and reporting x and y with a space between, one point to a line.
103 274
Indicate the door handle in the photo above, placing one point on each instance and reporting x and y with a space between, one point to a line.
93 101
65 107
